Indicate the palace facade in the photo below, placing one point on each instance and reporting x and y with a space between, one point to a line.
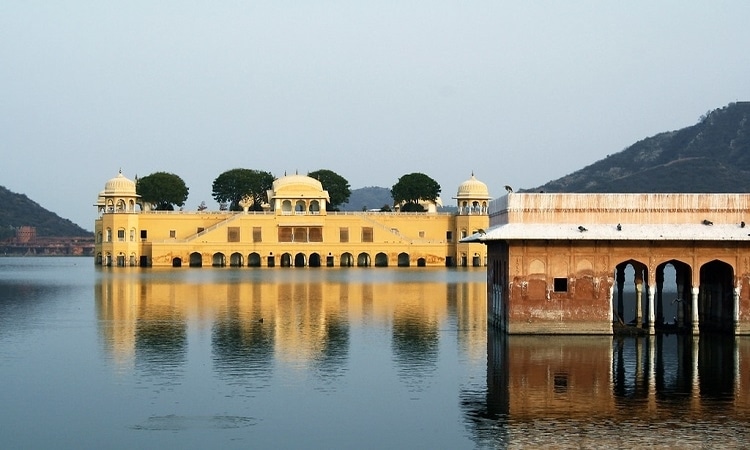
593 263
294 229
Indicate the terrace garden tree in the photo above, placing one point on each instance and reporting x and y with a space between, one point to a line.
235 185
412 188
162 190
336 185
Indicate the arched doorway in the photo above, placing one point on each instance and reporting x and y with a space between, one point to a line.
347 260
176 262
421 262
363 260
300 260
673 294
286 260
403 260
631 296
235 260
196 259
716 302
381 260
314 260
253 260
219 260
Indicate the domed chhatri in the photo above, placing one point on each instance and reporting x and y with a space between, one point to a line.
473 189
292 229
472 197
119 185
119 195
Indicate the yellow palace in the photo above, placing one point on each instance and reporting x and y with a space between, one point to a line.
294 229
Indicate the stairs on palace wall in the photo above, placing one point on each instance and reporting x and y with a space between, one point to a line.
393 231
223 223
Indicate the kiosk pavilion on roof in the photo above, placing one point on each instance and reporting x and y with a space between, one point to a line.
294 229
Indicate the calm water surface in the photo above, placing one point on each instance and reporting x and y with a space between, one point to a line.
334 358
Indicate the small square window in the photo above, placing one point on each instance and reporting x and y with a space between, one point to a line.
172 233
561 284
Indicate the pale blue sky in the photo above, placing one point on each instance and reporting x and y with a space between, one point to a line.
518 92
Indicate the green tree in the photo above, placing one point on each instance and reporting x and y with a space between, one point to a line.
236 184
413 187
336 185
162 190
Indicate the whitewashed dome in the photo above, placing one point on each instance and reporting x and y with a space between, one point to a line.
473 188
119 185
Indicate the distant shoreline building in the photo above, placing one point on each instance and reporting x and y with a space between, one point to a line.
294 230
578 263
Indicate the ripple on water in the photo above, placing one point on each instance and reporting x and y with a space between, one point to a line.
173 422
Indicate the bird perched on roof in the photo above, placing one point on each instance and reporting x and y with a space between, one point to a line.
742 224
581 228
619 227
508 188
707 222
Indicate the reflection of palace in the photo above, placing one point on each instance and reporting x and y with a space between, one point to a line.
294 229
146 320
587 385
561 263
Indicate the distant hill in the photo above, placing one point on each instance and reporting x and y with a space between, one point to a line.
368 198
710 156
18 210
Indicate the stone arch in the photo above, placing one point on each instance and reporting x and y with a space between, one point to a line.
299 206
421 262
300 260
347 259
286 206
177 262
314 260
219 260
363 260
381 260
314 206
631 292
253 260
236 260
196 259
286 260
716 297
403 259
584 267
672 300
537 269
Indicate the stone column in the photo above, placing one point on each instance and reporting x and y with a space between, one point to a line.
620 286
736 315
638 297
651 293
680 299
694 309
659 298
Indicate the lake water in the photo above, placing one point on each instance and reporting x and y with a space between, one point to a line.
334 358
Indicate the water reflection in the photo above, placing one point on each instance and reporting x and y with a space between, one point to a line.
667 390
297 325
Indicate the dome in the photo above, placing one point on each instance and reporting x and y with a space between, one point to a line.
296 182
119 185
473 188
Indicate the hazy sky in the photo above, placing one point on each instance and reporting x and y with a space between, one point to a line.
518 92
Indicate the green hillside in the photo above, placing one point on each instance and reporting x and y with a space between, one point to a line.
18 210
710 156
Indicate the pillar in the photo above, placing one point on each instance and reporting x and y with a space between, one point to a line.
638 297
736 314
694 309
620 286
659 298
651 317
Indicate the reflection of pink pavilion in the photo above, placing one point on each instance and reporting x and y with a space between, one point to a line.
557 262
